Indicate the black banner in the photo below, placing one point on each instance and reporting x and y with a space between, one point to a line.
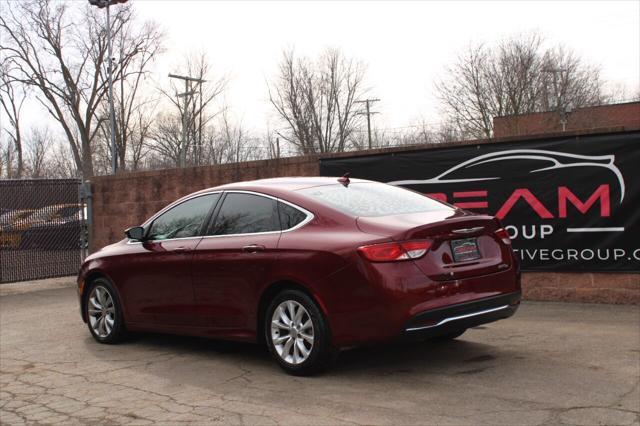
569 204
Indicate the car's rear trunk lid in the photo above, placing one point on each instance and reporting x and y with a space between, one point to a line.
463 244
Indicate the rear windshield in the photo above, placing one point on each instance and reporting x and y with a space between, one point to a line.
373 199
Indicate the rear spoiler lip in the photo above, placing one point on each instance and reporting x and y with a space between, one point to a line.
478 224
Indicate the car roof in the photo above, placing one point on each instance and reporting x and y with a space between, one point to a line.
281 184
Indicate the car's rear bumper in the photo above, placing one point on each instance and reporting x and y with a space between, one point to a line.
452 318
379 302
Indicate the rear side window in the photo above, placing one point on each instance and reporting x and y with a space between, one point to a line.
246 214
183 220
373 199
290 216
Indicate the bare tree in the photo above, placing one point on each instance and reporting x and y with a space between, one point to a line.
224 140
134 122
38 144
197 109
61 52
134 111
514 77
316 100
167 139
61 163
6 158
568 83
425 132
211 150
272 144
140 135
12 98
233 137
380 138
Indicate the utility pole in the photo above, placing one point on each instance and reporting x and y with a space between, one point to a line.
560 107
367 103
187 95
112 114
198 151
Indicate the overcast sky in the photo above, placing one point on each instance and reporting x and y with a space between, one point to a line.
405 45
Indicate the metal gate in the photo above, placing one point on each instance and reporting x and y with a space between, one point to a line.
43 228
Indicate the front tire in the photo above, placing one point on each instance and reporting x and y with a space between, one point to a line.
297 334
104 312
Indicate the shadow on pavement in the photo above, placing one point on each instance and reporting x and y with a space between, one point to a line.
457 357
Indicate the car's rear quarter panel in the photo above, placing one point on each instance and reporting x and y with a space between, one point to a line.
324 261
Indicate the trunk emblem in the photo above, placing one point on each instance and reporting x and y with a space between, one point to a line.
467 230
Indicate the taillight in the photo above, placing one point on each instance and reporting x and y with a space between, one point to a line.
503 235
392 252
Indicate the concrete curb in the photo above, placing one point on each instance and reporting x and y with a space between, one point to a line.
36 285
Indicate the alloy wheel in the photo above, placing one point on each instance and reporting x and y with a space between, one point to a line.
101 311
292 332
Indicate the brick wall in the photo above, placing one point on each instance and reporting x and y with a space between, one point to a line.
128 199
621 289
617 115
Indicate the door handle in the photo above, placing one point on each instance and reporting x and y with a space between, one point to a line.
253 248
181 250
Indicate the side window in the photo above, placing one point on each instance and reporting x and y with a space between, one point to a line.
289 216
245 214
183 220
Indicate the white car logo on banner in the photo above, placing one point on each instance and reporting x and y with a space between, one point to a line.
558 160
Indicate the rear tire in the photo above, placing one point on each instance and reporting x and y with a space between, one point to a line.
103 311
449 336
297 334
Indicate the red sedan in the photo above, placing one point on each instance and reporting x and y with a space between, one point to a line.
305 265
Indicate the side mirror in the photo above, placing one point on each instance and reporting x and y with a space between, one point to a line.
135 233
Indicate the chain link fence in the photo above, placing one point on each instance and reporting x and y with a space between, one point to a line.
43 229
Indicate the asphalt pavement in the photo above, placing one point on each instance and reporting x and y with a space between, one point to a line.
552 363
